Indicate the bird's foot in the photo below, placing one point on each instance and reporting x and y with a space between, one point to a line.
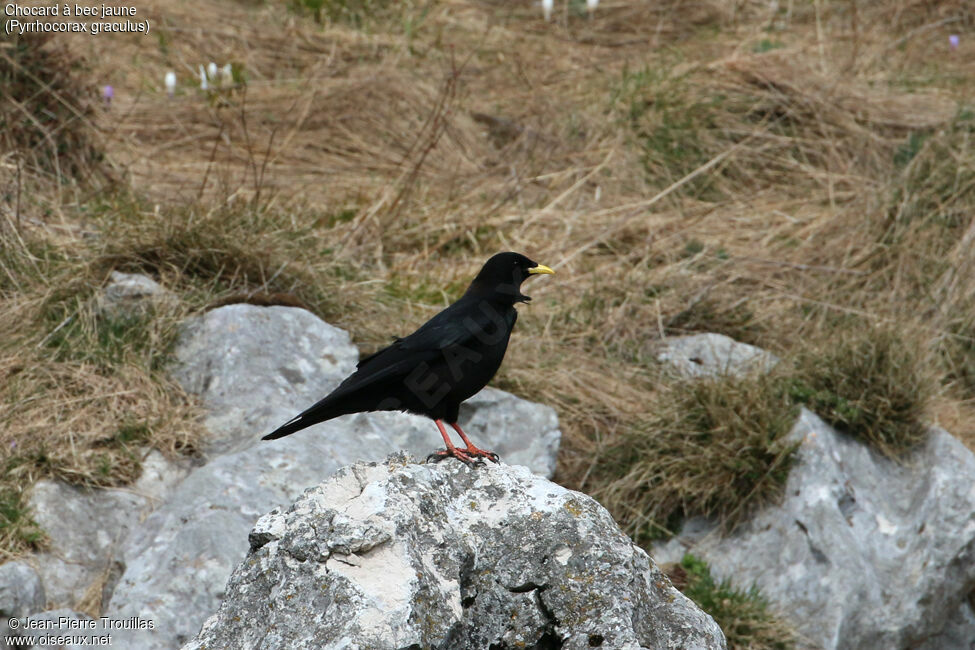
481 454
472 456
454 452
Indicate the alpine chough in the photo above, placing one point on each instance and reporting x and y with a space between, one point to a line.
447 360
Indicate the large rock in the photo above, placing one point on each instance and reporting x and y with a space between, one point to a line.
178 561
400 555
21 594
958 632
86 528
862 552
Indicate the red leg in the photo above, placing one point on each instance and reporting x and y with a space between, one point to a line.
460 454
471 449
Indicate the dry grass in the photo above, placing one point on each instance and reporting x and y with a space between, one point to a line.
714 447
84 395
871 383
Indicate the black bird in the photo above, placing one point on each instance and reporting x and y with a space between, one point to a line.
450 358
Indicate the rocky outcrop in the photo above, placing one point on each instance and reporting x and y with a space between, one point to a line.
401 555
21 594
255 367
87 528
862 553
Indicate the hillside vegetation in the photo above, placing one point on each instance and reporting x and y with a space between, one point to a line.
796 175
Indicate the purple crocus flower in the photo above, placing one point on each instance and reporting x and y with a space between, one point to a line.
953 41
108 93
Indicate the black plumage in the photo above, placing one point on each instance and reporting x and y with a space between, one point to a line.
447 360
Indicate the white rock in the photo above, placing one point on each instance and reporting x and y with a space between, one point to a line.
21 594
397 555
86 528
255 366
701 355
132 294
862 553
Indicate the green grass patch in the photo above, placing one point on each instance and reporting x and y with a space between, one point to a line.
714 447
869 383
670 122
18 532
766 45
743 615
932 199
350 12
243 254
78 332
424 293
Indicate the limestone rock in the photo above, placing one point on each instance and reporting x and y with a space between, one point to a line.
397 555
701 355
86 527
21 592
179 559
862 553
255 367
523 432
958 632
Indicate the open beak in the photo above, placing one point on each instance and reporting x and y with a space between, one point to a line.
541 268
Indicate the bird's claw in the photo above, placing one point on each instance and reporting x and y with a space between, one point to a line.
482 454
470 457
438 456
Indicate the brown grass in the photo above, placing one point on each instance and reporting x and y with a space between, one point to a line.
713 447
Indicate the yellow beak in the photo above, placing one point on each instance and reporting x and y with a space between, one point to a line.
541 268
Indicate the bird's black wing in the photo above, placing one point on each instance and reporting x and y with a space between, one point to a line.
458 324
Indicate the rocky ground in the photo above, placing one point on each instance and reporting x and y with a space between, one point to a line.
862 552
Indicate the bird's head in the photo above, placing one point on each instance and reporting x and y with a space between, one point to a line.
502 275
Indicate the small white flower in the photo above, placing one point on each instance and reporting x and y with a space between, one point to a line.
547 8
170 83
203 79
212 70
591 5
227 76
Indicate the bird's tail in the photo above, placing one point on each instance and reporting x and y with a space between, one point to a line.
317 413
